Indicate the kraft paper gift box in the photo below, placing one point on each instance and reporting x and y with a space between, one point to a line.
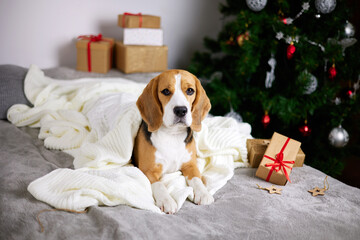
136 58
300 158
130 20
278 160
257 147
143 36
96 56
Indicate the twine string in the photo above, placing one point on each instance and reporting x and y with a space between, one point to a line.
328 185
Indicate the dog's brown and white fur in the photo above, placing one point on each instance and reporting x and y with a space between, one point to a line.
172 106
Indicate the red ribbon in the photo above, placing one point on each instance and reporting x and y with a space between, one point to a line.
279 164
132 14
91 38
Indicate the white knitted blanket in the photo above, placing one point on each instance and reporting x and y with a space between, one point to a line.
96 121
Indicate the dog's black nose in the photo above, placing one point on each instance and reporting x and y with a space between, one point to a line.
180 111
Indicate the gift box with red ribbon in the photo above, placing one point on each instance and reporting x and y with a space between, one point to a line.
256 149
138 20
94 53
278 160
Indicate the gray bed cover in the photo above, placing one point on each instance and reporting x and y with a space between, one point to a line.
240 211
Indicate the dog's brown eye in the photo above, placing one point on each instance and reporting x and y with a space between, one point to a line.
190 91
166 92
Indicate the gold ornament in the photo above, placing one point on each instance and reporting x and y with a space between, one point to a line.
242 37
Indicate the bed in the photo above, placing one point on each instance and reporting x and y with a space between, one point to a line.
241 210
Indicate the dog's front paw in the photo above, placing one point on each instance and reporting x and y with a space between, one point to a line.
202 197
201 194
163 199
166 204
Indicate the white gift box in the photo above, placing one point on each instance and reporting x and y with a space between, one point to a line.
143 36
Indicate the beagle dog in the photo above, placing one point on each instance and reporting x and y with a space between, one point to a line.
172 106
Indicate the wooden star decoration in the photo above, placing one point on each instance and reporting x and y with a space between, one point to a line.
320 191
317 191
273 189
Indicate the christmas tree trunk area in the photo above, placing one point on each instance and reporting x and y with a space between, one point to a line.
292 67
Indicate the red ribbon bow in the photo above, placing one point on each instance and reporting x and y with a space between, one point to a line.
132 14
279 163
91 38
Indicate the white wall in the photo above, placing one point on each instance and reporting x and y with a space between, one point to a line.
42 32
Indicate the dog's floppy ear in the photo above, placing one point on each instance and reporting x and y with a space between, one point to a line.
149 105
200 108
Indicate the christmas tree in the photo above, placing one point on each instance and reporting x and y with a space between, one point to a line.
291 67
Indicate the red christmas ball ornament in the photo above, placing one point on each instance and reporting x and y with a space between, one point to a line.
305 130
265 120
350 93
290 50
284 20
332 72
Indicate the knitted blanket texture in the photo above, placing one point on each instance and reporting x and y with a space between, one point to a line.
96 121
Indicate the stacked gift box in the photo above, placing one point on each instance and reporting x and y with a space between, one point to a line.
142 48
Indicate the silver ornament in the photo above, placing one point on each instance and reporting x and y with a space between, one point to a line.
337 101
344 43
256 5
305 6
347 42
270 76
338 137
279 35
349 30
312 82
325 6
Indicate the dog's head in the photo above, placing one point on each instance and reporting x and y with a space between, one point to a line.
174 97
